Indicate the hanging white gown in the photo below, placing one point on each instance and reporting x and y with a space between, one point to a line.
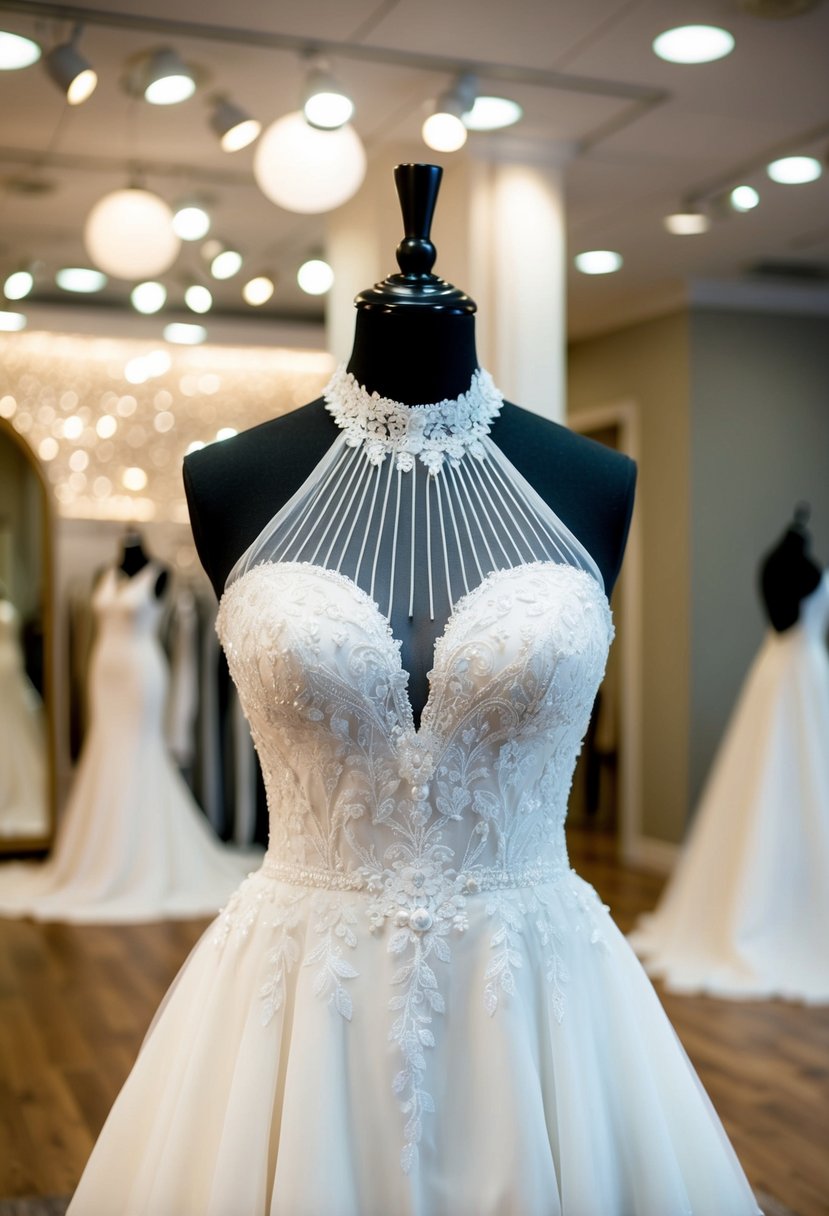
745 913
132 845
415 1007
23 791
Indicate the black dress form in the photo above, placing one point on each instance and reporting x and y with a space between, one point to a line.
134 559
788 573
414 343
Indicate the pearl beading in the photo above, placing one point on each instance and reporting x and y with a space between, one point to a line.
470 882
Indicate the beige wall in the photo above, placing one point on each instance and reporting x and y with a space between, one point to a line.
648 365
759 444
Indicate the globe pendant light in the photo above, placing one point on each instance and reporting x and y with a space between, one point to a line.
129 234
307 170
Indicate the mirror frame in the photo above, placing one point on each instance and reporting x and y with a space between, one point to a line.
42 843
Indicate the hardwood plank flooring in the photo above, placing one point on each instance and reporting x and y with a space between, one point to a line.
76 1001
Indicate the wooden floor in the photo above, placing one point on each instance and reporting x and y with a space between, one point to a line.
75 1003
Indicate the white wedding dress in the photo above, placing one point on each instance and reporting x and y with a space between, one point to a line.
746 911
415 1007
23 792
132 845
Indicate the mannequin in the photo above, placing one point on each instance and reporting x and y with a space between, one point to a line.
133 559
414 343
789 573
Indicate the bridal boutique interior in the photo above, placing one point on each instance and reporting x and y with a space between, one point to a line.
191 201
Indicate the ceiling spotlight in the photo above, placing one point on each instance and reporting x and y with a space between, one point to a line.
687 223
233 125
183 334
325 103
191 220
315 277
71 72
693 44
18 285
80 279
794 170
149 297
10 322
492 114
198 298
743 198
17 52
168 80
598 261
259 290
444 130
226 264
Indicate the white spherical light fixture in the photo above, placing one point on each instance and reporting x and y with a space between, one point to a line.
306 170
129 234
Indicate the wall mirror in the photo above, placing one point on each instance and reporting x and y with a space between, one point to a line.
27 735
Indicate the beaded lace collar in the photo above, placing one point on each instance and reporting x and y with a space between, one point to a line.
445 430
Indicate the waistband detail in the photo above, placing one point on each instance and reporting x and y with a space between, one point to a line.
467 882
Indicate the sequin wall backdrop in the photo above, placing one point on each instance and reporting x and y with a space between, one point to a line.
111 419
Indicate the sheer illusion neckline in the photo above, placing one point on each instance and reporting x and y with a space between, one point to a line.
406 714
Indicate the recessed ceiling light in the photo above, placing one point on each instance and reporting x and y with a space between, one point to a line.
12 321
169 81
744 198
598 261
226 432
198 298
134 478
492 114
226 264
258 291
80 279
183 334
191 221
694 44
687 223
148 297
794 170
18 285
17 52
315 277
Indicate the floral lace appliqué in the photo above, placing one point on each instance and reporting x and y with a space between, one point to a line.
445 430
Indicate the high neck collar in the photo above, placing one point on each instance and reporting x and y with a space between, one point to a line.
433 432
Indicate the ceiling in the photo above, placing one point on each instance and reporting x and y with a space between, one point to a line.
644 135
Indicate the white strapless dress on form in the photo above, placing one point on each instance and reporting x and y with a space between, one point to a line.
132 844
415 1007
746 911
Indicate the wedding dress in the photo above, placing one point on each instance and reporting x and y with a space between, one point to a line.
414 1007
746 910
23 796
132 845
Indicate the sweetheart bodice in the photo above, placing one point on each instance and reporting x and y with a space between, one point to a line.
358 797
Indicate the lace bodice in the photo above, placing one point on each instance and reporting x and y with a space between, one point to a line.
360 798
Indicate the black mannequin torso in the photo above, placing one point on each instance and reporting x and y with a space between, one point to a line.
134 559
236 487
414 344
788 573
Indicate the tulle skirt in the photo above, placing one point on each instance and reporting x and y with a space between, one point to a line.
262 1090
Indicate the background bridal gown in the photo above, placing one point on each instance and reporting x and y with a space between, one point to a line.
415 1007
132 845
746 912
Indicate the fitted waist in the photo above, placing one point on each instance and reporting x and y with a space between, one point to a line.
424 881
